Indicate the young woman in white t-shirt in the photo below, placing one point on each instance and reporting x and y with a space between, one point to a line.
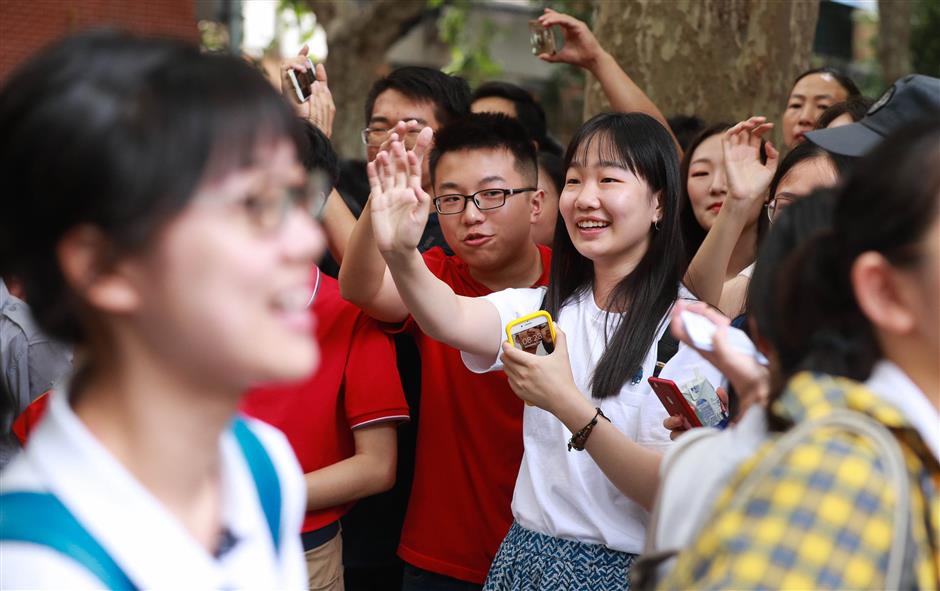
151 211
614 277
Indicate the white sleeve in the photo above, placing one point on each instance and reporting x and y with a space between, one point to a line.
511 304
31 566
688 363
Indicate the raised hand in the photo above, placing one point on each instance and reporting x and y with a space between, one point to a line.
414 135
580 45
320 106
400 207
749 378
319 109
748 178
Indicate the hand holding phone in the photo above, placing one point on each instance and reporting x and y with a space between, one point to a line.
541 38
534 333
675 403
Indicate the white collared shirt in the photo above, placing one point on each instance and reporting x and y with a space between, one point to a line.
139 533
892 385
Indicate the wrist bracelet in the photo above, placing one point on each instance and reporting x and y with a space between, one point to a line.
579 439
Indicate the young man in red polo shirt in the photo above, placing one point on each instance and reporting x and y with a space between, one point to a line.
341 422
470 433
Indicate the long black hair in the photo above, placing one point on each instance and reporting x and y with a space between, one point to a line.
642 145
117 132
887 205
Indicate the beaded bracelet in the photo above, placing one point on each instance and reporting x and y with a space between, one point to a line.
579 439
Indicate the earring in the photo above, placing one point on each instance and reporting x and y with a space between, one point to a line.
656 225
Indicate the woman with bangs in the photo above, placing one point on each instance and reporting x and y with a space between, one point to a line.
614 277
151 214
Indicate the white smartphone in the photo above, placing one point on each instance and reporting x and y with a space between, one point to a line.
701 331
303 80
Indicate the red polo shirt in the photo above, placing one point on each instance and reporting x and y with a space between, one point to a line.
468 452
356 384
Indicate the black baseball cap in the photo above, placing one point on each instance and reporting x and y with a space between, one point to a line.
911 98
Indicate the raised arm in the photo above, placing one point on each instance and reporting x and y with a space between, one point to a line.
338 223
364 278
399 215
582 49
748 180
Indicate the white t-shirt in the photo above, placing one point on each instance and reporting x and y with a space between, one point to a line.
137 531
564 494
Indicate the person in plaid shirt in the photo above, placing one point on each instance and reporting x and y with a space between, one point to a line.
860 302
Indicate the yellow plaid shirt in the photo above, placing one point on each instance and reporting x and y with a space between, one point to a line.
822 519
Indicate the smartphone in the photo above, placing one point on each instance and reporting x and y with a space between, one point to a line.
542 39
303 80
534 333
668 393
701 331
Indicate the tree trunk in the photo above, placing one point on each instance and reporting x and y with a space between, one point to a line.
358 36
722 60
894 39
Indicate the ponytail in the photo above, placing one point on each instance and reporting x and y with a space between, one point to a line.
818 324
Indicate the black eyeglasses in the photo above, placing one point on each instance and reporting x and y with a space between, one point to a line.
484 199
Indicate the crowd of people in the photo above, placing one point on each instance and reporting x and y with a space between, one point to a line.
231 359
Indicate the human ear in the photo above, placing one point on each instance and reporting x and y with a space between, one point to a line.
536 203
660 210
882 293
85 256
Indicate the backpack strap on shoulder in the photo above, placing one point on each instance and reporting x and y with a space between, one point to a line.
888 450
265 476
41 518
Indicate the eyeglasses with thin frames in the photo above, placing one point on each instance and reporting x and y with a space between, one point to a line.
375 137
267 208
778 204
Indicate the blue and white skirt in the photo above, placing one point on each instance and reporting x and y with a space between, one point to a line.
530 561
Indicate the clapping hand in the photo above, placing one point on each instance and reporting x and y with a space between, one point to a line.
400 207
748 178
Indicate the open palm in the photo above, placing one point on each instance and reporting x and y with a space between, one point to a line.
399 204
748 177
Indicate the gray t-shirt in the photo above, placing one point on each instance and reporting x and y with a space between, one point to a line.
30 361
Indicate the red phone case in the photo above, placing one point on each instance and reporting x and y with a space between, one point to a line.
668 393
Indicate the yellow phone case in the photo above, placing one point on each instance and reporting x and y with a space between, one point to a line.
534 315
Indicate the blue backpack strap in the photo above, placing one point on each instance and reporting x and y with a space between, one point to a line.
42 519
264 475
